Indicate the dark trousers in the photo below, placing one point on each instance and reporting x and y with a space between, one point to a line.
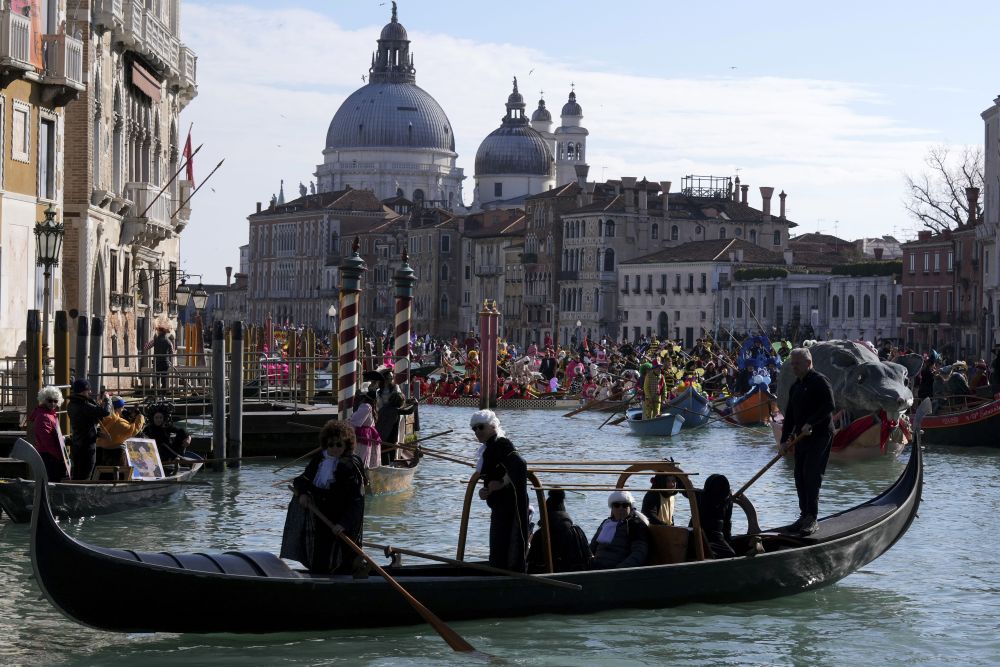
54 467
508 540
811 456
84 458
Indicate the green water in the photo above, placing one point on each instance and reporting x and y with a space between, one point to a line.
932 599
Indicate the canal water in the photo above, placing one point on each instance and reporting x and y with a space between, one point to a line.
934 598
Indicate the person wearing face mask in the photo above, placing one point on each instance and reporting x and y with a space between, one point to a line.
622 540
505 489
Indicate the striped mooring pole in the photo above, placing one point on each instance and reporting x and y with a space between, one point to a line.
405 279
351 271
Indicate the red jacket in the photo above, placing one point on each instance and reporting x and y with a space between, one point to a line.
46 431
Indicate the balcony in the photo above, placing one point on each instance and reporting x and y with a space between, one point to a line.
143 32
489 270
108 13
677 290
187 71
15 41
115 301
63 57
534 299
926 317
128 303
148 220
529 258
568 275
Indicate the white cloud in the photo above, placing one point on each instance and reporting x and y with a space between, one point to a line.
271 80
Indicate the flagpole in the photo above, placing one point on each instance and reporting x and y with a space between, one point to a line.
183 203
170 182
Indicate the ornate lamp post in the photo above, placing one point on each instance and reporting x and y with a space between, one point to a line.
49 238
331 312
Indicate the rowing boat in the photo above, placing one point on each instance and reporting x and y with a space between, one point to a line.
693 405
665 424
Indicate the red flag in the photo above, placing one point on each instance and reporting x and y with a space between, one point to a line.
190 158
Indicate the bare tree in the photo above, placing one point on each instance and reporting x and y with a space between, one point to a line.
936 197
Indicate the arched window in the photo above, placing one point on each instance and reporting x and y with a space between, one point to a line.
725 308
654 231
117 143
609 228
674 232
444 305
883 306
866 306
753 306
850 306
444 272
777 237
600 228
722 232
570 151
609 259
835 306
418 195
399 192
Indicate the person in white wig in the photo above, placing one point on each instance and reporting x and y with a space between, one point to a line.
622 540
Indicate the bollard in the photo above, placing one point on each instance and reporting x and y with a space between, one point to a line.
219 394
235 449
96 352
61 360
82 345
310 367
33 358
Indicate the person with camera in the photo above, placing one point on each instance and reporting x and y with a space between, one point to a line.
123 423
85 414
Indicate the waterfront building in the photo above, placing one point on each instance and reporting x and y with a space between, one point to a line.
488 268
989 231
42 61
124 142
390 136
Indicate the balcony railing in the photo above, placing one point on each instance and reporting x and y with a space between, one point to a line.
926 317
147 196
489 270
108 13
15 40
132 22
128 303
64 61
534 299
568 275
115 301
187 65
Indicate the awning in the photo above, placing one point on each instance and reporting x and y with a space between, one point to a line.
145 82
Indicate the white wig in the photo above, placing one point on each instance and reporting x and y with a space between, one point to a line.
487 417
621 497
50 393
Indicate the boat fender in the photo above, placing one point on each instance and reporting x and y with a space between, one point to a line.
395 558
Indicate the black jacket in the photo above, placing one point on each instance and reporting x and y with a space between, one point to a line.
84 416
629 548
344 502
501 460
570 551
548 368
810 401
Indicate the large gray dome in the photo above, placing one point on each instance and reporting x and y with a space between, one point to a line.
514 149
390 115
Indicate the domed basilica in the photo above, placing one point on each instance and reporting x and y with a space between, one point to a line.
390 136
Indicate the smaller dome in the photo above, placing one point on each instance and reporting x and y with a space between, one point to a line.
571 108
394 32
541 114
515 99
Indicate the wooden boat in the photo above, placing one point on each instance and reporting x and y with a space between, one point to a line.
86 498
861 439
979 427
540 403
257 592
666 424
693 405
751 409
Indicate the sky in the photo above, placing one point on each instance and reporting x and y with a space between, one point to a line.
831 102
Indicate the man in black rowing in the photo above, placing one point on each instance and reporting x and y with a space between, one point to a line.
810 412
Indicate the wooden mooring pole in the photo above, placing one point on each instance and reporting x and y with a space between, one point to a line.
82 345
235 449
33 358
96 353
61 361
219 394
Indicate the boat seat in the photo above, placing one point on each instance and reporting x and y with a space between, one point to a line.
246 563
668 544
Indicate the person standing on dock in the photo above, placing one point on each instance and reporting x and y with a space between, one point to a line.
810 412
505 490
163 354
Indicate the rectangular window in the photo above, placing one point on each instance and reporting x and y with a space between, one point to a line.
950 300
445 243
47 159
937 262
498 189
926 299
913 262
927 262
20 128
114 270
951 260
125 275
936 300
704 282
911 303
173 282
468 272
649 315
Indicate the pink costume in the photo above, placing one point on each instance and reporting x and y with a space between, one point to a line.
369 447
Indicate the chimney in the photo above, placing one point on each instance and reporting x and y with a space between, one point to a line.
665 186
258 207
628 185
973 196
736 190
643 198
924 235
765 194
744 189
229 275
581 174
782 196
789 257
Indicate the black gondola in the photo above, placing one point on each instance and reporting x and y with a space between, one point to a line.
257 592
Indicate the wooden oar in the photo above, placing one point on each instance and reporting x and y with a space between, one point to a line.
318 428
453 639
791 445
232 459
583 408
436 454
477 566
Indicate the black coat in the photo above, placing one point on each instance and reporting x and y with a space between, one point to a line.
84 416
548 368
501 461
810 401
344 502
570 551
629 548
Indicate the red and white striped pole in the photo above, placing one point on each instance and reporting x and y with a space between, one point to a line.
404 279
350 292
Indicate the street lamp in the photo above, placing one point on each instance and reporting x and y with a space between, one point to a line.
579 341
182 294
49 237
200 297
332 313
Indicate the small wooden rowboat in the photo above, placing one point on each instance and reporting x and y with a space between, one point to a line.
86 498
258 592
861 439
751 409
666 424
693 405
392 478
979 427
